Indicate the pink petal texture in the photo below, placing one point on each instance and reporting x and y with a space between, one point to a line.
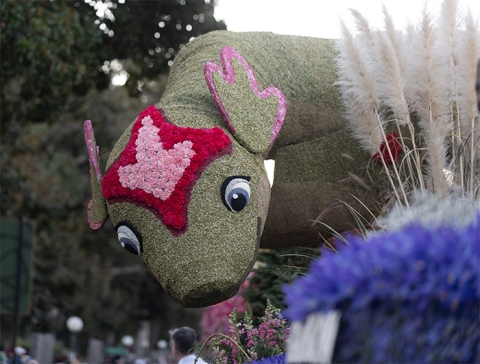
93 225
157 170
226 55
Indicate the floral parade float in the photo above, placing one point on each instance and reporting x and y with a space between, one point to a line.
356 127
185 185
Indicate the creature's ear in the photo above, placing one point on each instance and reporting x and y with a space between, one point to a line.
253 117
97 207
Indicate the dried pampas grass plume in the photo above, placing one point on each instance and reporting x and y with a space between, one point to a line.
358 85
419 82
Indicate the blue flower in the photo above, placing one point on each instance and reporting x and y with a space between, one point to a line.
414 291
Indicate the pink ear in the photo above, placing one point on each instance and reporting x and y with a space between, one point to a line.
226 55
97 212
92 148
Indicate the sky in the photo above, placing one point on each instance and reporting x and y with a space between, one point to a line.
320 18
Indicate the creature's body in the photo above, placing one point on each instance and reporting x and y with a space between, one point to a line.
198 228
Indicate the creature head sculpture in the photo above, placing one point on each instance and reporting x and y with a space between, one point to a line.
181 197
185 185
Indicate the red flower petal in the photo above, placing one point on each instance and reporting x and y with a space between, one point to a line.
395 146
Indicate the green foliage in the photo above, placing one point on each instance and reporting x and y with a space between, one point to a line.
47 57
55 72
54 52
275 269
149 34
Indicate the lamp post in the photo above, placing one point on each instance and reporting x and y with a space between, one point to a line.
74 325
127 341
162 345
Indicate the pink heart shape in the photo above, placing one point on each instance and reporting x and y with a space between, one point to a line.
154 145
157 170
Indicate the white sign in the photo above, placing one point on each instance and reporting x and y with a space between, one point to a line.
313 341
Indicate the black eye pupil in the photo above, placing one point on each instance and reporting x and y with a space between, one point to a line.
129 237
235 192
131 249
129 246
238 202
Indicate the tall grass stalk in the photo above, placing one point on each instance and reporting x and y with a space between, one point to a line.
419 82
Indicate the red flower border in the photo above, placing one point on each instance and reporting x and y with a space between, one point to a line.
208 144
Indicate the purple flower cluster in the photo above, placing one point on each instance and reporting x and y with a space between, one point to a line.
411 295
246 343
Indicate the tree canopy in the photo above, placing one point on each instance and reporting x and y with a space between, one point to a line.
56 68
53 51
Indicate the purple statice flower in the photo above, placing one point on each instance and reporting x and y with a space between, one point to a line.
410 295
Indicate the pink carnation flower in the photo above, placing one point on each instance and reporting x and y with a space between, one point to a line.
157 170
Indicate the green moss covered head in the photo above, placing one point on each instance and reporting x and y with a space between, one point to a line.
191 200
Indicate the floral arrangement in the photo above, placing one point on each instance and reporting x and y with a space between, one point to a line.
408 295
247 343
409 292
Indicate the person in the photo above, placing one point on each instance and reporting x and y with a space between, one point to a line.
16 355
3 358
23 356
182 340
12 358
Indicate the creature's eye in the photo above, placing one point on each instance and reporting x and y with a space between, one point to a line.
129 238
235 192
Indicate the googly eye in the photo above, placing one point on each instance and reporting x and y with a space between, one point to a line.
235 192
129 238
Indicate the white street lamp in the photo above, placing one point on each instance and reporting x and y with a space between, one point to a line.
162 344
127 341
162 353
74 325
